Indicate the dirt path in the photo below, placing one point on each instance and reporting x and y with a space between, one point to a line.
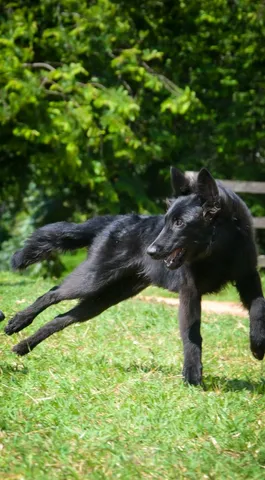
209 306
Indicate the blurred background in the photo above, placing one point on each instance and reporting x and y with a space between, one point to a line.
99 98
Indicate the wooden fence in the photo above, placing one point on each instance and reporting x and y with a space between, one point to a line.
239 186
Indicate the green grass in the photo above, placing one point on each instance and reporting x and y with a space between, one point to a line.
105 400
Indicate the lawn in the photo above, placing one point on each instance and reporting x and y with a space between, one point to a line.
105 400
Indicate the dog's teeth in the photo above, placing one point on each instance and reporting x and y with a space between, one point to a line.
174 257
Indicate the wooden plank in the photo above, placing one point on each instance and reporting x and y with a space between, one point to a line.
261 260
240 186
259 222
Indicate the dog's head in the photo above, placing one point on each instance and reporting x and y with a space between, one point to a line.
189 221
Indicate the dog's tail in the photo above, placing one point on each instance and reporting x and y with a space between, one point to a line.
60 236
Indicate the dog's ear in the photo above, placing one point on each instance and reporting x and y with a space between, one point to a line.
169 202
208 191
207 187
179 183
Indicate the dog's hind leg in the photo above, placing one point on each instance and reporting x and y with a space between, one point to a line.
25 317
2 316
190 321
77 314
88 308
74 286
250 291
78 284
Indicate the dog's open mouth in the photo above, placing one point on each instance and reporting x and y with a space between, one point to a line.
174 260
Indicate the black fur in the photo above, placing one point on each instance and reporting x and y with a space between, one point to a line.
203 242
60 236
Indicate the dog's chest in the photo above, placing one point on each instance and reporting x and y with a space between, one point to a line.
211 276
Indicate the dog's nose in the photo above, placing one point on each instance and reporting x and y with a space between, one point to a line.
152 250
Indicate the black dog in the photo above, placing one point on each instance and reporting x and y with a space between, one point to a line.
203 242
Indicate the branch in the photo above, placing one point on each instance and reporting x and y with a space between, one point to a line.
54 92
39 65
170 86
94 84
49 67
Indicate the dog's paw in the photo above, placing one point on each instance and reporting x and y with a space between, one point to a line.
22 348
12 325
257 328
257 343
2 316
192 374
17 323
9 329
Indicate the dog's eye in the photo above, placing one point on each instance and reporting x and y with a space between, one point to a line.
178 222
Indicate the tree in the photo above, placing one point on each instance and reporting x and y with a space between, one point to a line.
99 98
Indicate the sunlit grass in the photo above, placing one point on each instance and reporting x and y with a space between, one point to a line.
105 399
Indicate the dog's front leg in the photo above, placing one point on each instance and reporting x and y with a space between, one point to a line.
250 291
190 322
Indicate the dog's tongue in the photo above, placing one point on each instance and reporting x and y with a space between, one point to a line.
170 259
174 253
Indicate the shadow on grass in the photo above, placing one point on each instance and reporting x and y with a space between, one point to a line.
148 367
233 385
210 383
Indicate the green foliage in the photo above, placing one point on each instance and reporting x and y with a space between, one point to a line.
99 98
75 80
105 399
